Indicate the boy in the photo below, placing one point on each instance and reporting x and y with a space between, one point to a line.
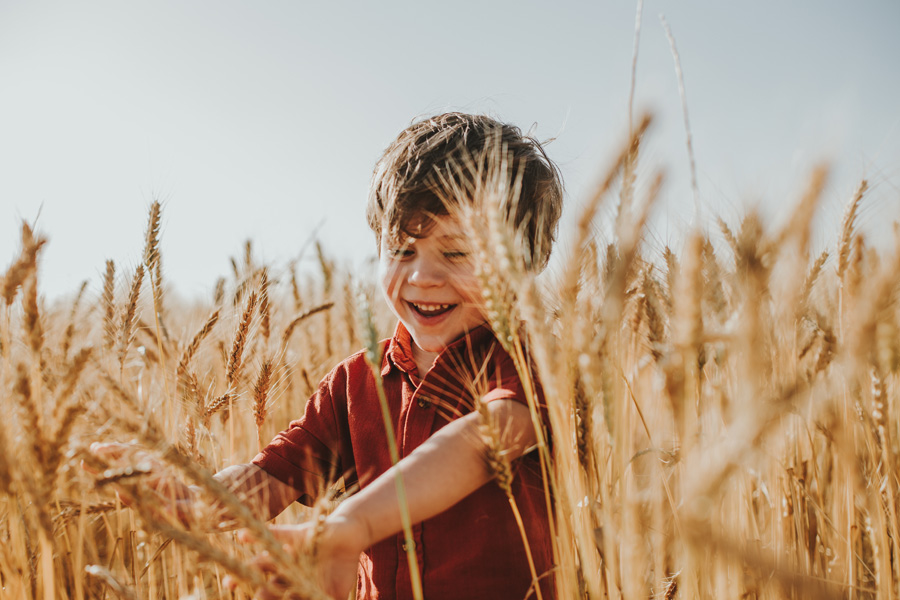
441 356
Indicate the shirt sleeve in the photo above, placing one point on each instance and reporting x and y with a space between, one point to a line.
506 384
307 455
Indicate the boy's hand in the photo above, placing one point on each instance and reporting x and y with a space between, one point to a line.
334 545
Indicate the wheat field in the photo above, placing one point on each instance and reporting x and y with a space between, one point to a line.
724 414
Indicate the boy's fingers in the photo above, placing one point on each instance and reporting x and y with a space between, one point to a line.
245 536
115 451
294 537
290 535
109 450
263 561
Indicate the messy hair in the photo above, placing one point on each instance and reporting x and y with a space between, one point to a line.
432 164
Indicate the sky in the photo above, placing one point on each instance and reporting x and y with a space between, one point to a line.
263 120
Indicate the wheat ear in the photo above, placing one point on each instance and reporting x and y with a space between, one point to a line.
108 300
186 383
264 307
295 287
219 292
192 348
126 335
70 325
235 357
811 277
24 264
33 326
289 330
729 236
234 364
260 398
848 224
153 262
70 379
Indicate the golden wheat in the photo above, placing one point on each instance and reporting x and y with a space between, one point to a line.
724 420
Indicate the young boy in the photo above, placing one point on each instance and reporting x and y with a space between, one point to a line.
440 357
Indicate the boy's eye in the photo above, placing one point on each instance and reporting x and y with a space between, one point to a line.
400 252
456 254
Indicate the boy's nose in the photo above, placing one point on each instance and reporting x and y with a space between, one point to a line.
426 273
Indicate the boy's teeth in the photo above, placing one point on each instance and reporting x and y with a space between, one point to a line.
431 308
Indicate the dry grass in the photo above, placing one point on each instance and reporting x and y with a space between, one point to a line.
725 420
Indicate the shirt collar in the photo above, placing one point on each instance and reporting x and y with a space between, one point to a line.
399 353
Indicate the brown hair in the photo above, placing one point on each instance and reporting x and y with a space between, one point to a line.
424 170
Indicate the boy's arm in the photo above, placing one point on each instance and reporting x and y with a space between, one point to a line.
449 466
263 493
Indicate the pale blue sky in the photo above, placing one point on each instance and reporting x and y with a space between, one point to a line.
263 120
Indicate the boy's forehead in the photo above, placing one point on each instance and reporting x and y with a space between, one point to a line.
443 228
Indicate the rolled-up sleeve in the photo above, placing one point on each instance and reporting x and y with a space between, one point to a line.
308 454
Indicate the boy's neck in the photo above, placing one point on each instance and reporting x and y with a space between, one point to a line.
423 359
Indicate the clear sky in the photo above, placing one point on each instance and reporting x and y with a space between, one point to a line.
263 120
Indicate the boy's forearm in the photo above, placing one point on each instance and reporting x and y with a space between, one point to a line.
445 469
264 494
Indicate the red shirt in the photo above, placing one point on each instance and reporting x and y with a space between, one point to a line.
472 550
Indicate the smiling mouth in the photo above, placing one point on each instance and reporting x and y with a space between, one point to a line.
431 310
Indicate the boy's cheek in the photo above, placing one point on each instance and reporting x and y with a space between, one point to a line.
390 285
472 293
388 276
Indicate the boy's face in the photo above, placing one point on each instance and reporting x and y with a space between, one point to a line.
430 284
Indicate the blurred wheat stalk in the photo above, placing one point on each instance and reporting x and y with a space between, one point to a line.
723 417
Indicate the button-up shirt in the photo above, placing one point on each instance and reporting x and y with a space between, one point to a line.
475 548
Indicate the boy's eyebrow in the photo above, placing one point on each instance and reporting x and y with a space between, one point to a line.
452 237
400 240
449 238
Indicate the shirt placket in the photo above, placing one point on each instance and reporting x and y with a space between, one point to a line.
415 424
404 581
